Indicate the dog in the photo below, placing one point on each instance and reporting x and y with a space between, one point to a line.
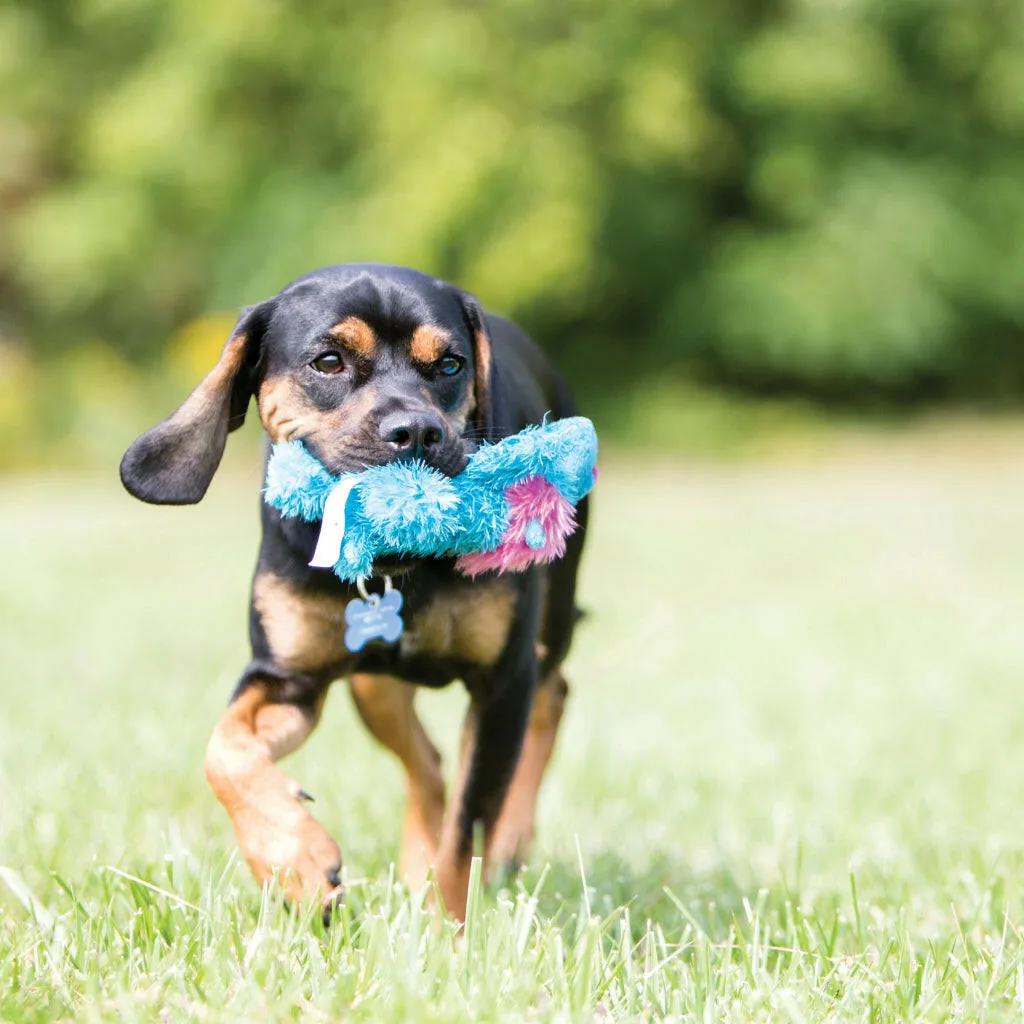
365 364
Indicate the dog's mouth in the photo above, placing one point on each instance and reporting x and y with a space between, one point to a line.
341 459
337 460
451 460
395 566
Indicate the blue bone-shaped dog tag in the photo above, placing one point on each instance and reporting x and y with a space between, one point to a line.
376 618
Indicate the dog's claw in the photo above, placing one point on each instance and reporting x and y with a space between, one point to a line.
329 907
307 797
333 898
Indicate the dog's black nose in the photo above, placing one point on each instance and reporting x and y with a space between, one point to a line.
413 433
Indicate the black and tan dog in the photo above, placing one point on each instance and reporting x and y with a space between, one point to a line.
365 364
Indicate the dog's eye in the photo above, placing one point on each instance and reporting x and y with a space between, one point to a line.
449 366
328 362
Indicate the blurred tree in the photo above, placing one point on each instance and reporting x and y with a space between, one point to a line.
811 194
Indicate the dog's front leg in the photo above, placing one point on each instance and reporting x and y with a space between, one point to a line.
278 837
492 737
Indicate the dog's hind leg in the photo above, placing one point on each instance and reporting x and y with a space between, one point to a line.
386 706
514 830
278 836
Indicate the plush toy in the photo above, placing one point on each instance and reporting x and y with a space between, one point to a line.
513 505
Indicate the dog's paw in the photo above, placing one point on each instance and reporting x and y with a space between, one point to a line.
297 854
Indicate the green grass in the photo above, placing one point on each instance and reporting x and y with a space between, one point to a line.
789 786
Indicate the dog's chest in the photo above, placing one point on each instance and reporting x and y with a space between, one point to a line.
465 623
468 624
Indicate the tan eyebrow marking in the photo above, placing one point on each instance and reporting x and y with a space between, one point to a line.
428 344
356 335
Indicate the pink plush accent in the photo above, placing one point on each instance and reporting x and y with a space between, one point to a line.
534 498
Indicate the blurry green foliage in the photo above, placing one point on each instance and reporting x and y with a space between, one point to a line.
815 195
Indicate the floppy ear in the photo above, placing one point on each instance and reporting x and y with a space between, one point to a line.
483 365
173 463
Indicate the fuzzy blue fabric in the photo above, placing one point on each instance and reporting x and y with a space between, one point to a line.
412 509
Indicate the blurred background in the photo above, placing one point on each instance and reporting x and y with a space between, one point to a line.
716 215
778 248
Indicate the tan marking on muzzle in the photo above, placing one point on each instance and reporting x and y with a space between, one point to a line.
288 415
284 409
460 415
351 415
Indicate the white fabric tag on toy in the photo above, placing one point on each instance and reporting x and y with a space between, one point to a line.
332 529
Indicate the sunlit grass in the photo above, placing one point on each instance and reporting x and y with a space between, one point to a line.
788 786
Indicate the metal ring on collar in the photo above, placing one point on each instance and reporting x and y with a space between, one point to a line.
365 594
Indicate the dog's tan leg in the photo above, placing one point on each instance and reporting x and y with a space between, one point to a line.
513 832
453 857
277 835
386 706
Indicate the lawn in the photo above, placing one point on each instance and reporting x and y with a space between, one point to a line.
790 785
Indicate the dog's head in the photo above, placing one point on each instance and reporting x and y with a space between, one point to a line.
363 363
